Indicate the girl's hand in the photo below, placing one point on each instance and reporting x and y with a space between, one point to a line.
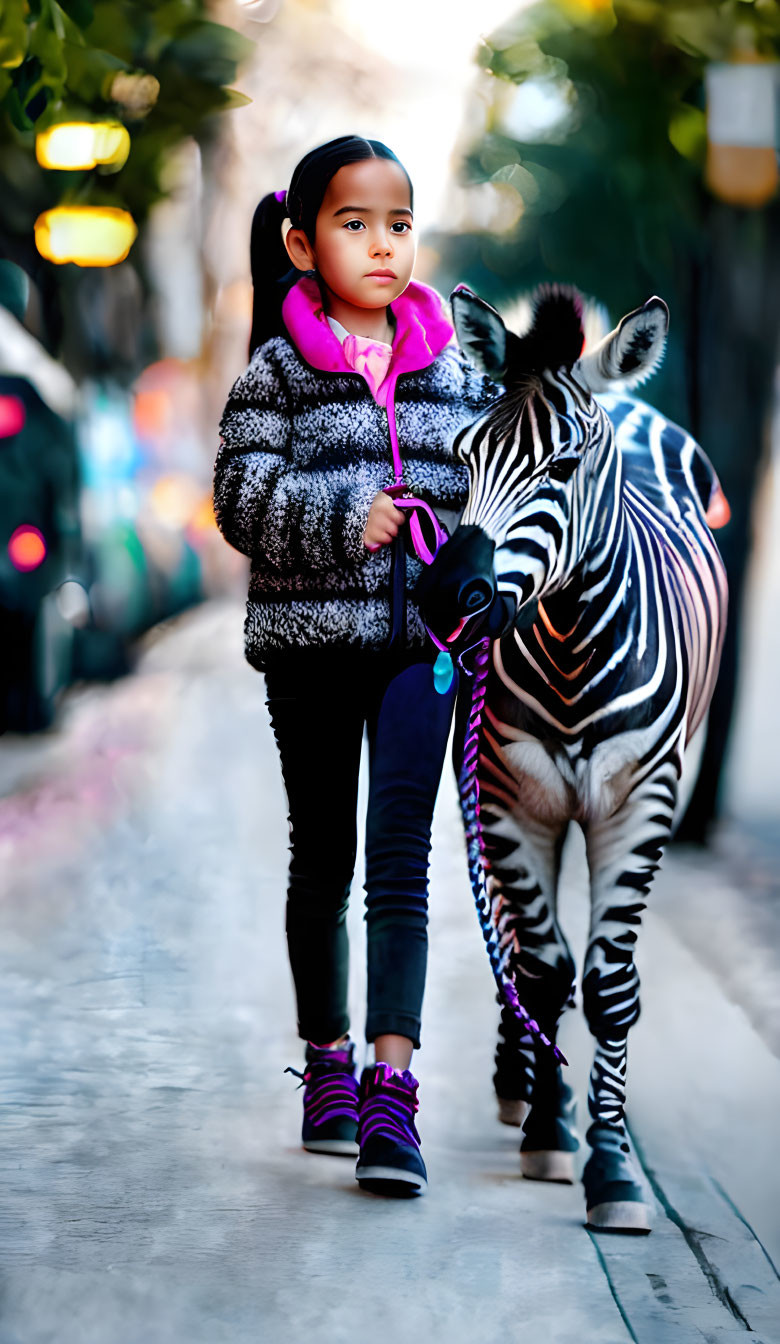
384 522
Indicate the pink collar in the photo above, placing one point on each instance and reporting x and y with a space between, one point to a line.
422 328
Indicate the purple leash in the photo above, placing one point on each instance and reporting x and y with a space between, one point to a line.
478 862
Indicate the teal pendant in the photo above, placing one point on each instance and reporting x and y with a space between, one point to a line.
443 672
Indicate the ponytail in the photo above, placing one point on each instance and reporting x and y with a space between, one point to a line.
272 271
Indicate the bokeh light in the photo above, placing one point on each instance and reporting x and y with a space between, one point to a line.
174 499
83 144
26 548
84 234
12 416
73 603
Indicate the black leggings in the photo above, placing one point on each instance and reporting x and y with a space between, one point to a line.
319 702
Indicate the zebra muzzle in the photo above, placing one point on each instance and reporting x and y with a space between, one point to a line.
458 592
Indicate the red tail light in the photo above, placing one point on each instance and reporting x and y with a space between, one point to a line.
12 416
27 548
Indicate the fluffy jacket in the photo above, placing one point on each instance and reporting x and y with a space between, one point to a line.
304 450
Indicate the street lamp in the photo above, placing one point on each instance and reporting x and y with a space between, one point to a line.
89 235
83 144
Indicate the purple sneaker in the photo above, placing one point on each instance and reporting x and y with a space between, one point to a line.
390 1162
330 1102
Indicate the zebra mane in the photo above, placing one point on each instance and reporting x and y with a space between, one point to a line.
556 336
505 411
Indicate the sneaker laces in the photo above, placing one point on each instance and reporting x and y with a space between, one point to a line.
331 1085
389 1105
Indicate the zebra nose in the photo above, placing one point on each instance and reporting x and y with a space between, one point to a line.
460 582
475 594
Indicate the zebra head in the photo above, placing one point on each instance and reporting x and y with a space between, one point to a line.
544 472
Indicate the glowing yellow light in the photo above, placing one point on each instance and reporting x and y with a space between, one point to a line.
203 519
26 548
578 9
83 144
88 235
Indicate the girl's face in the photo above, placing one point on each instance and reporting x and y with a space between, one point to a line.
364 225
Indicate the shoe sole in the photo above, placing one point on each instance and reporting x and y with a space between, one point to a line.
335 1147
512 1112
548 1165
624 1217
390 1181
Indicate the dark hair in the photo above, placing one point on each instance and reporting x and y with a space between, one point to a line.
272 272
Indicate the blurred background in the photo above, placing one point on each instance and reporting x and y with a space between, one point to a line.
626 146
151 1187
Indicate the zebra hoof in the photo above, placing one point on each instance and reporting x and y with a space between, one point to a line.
550 1130
548 1165
614 1193
626 1216
512 1112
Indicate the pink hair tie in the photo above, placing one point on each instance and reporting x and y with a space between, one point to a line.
280 195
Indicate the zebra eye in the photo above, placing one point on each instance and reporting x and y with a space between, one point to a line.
561 468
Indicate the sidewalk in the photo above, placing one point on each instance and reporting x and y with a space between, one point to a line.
154 1187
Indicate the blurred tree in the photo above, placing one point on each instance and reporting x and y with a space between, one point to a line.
592 152
161 67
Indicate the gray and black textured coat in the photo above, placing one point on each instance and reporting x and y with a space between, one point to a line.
304 451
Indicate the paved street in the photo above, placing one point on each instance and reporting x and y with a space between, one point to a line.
154 1189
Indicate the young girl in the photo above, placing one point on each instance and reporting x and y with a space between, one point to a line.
352 368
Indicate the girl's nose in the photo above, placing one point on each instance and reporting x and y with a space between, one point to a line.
382 243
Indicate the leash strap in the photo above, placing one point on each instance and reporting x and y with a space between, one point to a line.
397 594
478 862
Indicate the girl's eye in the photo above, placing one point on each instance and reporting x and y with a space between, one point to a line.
404 225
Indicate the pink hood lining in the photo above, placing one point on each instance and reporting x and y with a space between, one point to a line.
422 328
422 332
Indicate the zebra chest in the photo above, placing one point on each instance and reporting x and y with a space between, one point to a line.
571 733
553 782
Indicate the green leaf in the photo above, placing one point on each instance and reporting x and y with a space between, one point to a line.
232 98
13 35
16 112
81 12
208 52
50 50
91 71
688 131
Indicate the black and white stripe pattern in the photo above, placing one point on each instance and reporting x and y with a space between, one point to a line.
596 505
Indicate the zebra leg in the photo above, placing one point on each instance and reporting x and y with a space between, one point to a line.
524 858
624 852
549 1134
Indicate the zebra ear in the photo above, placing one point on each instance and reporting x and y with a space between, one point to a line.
630 353
480 331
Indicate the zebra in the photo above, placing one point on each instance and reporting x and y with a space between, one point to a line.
587 525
